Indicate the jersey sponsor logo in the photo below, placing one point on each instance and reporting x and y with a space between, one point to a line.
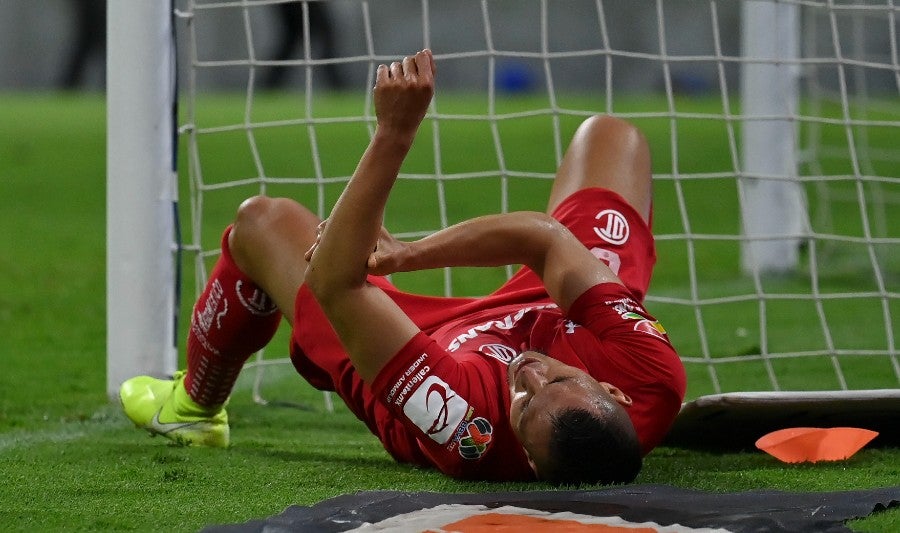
627 308
257 301
505 323
436 409
612 227
410 377
500 352
651 327
474 443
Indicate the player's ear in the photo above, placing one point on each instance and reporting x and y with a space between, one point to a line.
618 395
531 462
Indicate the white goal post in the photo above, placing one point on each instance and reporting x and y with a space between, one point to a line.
772 206
141 188
774 134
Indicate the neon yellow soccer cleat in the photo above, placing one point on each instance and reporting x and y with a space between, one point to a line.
162 407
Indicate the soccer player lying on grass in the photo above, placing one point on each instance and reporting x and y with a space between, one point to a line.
559 375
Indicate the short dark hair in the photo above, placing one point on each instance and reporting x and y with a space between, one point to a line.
589 448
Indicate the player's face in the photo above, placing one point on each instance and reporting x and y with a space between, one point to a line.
540 386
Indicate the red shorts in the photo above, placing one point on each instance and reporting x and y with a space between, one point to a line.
599 218
614 232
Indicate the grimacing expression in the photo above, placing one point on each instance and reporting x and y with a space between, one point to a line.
541 386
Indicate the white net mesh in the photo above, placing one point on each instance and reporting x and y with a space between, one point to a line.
515 79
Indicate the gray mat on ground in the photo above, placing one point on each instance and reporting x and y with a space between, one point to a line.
754 511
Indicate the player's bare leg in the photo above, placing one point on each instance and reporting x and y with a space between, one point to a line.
268 242
259 271
606 152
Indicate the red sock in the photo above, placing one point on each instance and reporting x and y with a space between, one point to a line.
232 320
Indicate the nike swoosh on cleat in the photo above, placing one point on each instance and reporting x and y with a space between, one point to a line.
166 427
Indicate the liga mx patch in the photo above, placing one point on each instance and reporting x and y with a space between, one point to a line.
623 509
474 443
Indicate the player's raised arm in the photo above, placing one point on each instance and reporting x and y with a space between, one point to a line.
371 327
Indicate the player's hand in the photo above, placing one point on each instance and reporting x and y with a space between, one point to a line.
403 92
385 259
388 255
319 229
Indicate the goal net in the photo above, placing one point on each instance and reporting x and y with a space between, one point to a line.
774 130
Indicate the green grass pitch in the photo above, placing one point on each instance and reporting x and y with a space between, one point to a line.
70 461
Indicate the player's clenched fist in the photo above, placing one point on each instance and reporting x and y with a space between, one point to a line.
403 91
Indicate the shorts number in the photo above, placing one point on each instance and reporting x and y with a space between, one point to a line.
608 257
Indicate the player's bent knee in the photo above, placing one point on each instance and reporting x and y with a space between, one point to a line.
608 127
610 135
262 213
262 220
252 216
258 221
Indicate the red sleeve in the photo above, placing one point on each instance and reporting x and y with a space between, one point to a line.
455 406
637 357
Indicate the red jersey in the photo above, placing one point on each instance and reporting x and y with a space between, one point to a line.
443 400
